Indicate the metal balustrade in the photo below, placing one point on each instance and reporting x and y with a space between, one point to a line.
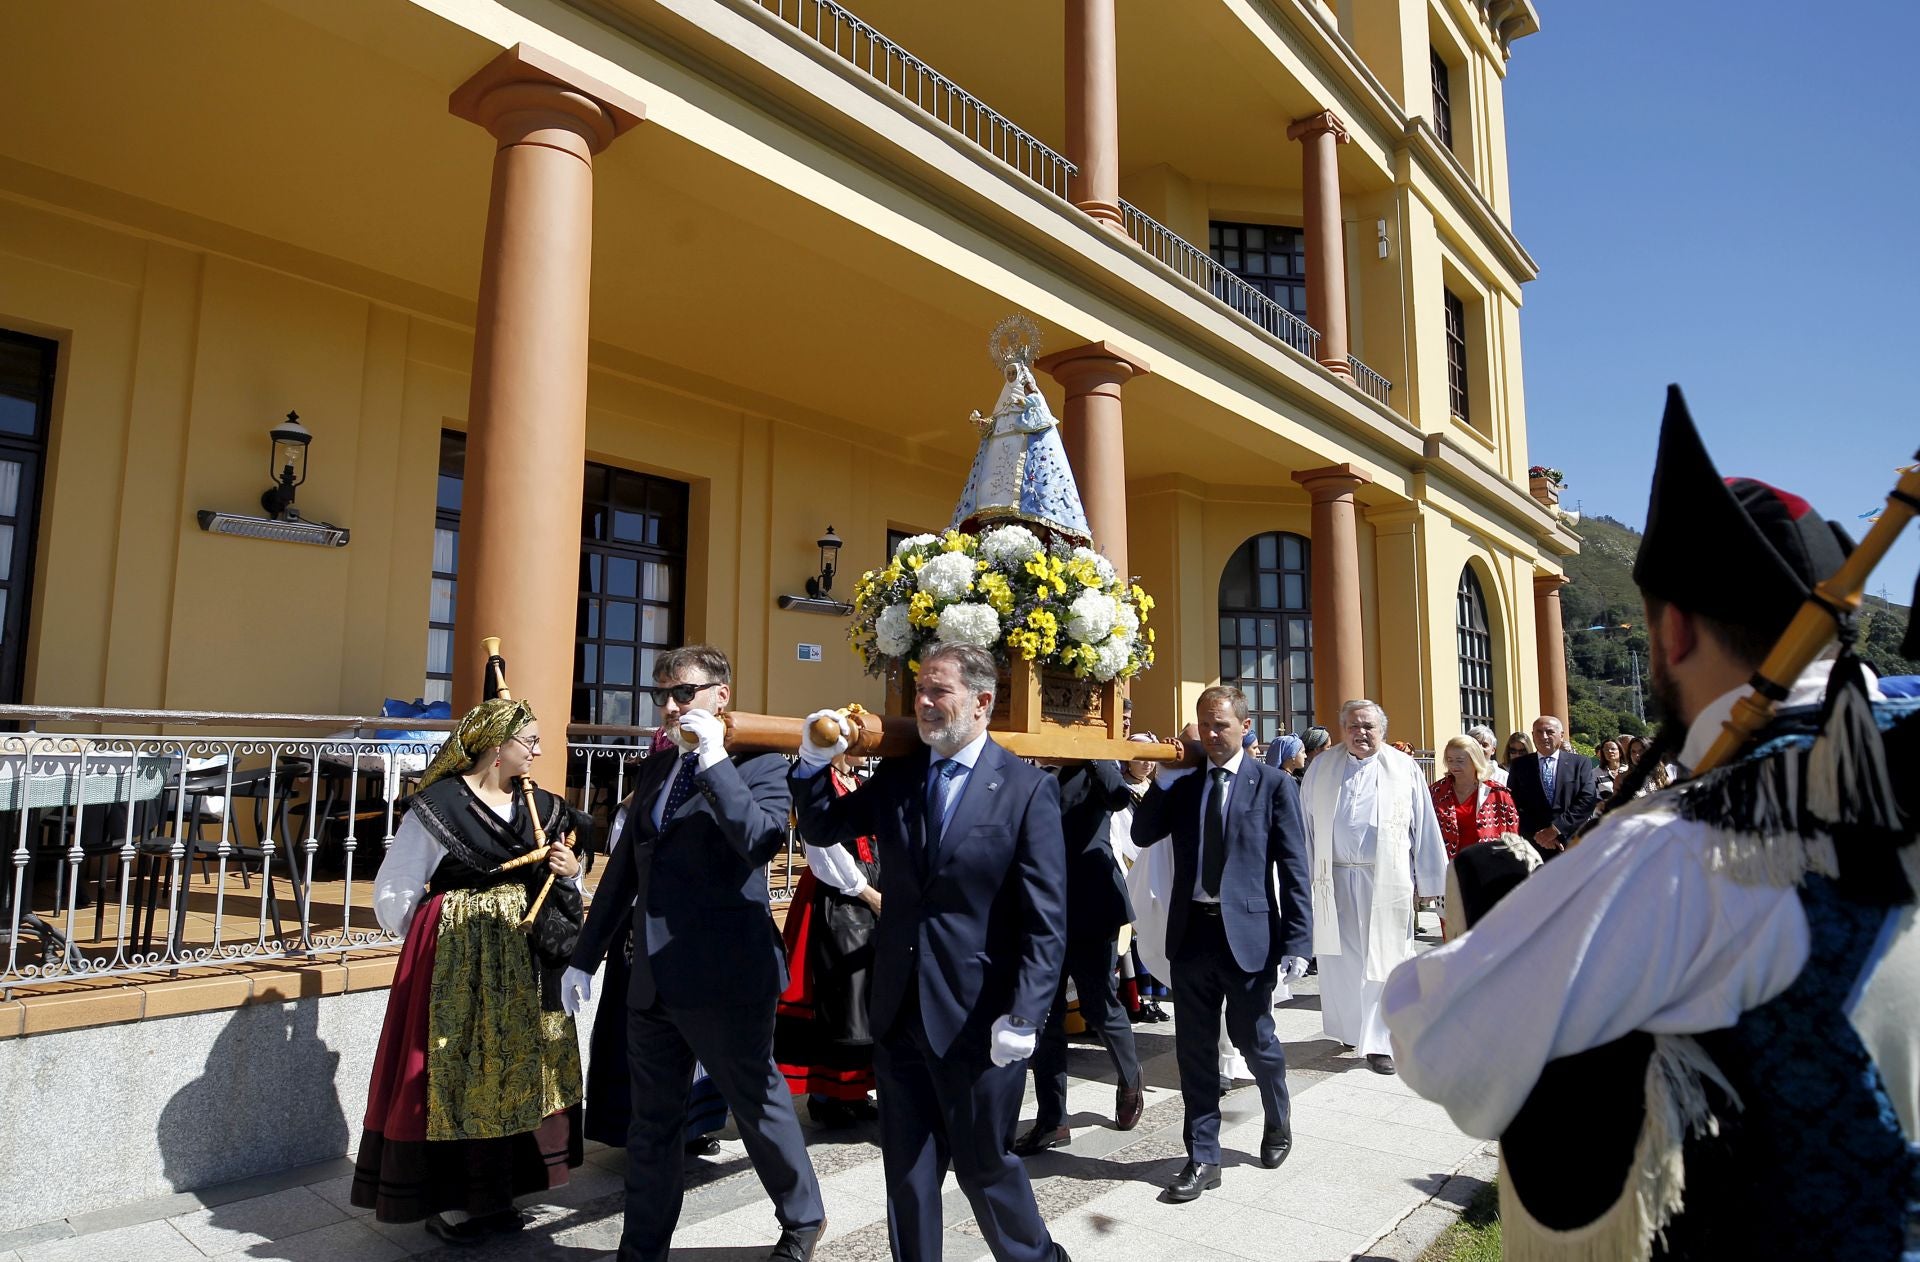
1371 383
148 857
926 89
1203 272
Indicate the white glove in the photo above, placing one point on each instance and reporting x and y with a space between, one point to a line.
817 755
709 734
1293 967
1012 1042
576 988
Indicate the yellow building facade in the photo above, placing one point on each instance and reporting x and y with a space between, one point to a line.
805 222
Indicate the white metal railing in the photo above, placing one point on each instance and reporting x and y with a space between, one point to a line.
1203 272
913 80
1371 383
145 856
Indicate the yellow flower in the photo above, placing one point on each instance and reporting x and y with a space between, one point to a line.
920 610
915 562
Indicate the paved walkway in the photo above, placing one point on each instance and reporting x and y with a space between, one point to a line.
1367 1154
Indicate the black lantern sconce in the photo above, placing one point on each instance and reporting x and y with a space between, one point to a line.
287 466
820 586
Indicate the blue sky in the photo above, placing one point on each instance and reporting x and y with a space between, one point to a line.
1727 196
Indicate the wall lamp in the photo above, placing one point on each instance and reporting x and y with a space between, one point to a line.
287 466
820 586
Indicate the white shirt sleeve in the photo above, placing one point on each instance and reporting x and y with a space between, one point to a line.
412 857
1627 931
1429 850
836 867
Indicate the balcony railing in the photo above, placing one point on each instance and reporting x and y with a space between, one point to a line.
144 857
1199 269
1371 383
913 80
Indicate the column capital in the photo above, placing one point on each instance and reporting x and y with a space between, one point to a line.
1326 121
1549 584
1082 369
525 95
1332 481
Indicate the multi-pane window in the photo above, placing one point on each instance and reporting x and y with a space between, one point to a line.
1266 632
1442 100
1457 355
633 561
633 558
446 560
26 404
1271 259
1476 652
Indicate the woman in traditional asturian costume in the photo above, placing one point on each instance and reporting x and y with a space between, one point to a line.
476 1084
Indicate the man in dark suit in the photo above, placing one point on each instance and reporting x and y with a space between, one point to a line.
1233 830
688 872
967 957
1097 907
1553 788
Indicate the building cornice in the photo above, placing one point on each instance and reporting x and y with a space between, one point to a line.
1465 197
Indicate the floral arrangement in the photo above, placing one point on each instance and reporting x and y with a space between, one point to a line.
1550 474
1007 590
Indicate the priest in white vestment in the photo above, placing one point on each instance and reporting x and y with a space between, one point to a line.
1373 846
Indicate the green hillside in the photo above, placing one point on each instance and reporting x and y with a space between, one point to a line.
1602 614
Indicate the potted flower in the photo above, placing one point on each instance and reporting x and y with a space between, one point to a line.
1546 483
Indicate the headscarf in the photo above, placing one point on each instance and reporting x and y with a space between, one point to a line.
1291 747
1316 738
488 725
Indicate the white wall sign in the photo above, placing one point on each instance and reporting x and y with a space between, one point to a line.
808 652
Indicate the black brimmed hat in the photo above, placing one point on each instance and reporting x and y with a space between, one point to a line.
1733 549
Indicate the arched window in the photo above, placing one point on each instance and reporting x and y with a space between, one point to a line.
1476 652
1266 632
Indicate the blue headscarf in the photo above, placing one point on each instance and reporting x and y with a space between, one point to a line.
1285 749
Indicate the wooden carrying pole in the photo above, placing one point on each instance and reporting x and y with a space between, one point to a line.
1814 627
884 737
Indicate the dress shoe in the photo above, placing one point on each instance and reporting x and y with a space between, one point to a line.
703 1146
1276 1145
469 1232
829 1114
1040 1138
1380 1063
504 1222
1226 1084
1128 1103
1194 1178
796 1243
1153 1012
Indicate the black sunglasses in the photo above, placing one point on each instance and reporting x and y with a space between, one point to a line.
681 693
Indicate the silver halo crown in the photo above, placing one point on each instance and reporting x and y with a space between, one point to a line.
1015 340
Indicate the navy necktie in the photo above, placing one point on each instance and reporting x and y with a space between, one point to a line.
1213 850
683 786
938 789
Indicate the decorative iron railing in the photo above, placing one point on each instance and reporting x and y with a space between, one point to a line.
1371 383
1203 272
143 857
913 80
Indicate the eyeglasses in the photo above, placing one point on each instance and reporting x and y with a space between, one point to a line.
682 694
531 746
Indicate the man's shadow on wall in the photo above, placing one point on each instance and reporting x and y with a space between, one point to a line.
265 1101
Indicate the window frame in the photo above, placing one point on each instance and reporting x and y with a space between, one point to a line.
1442 76
1474 650
1459 393
1292 637
1292 281
29 450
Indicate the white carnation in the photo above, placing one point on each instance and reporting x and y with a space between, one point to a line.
892 633
1100 564
914 541
1113 655
969 623
1090 617
946 576
1009 547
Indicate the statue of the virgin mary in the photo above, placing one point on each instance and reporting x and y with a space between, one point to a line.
1020 472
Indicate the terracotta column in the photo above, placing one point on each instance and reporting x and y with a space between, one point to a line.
1095 442
526 415
1325 238
1550 642
1339 664
1093 111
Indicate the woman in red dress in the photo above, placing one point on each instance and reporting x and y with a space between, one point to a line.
1470 806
